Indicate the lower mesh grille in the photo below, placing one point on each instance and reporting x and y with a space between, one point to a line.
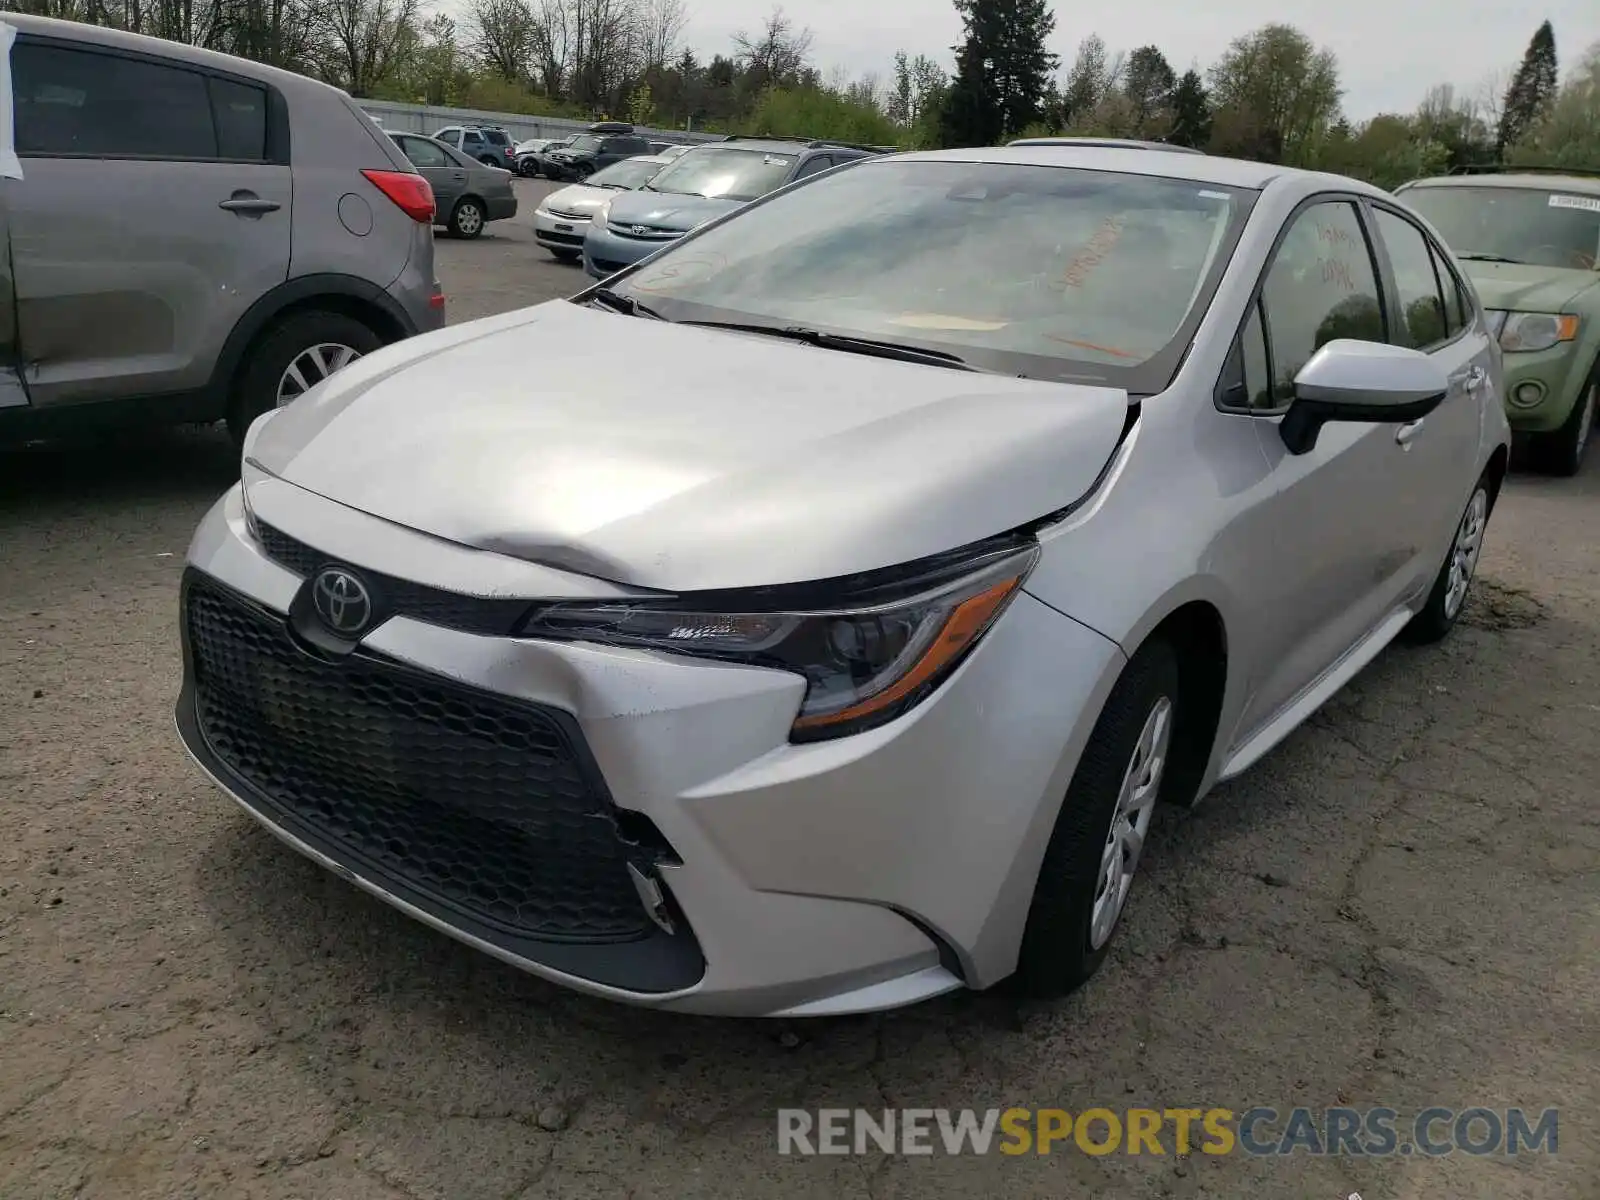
482 803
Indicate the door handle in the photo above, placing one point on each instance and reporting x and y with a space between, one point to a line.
249 204
1476 378
1406 432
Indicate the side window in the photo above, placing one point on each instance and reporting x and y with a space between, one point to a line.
240 112
81 102
1247 377
472 138
423 153
1321 286
1420 321
812 165
1457 312
452 136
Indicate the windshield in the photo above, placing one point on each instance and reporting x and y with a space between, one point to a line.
1539 226
583 144
724 173
629 173
1048 272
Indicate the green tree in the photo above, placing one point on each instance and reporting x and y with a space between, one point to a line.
1002 71
1149 82
1531 92
1569 136
1275 95
1087 81
1191 112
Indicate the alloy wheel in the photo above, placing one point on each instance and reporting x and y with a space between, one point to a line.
1464 552
311 366
1130 822
469 220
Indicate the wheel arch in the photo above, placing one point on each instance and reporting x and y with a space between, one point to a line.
1198 635
343 294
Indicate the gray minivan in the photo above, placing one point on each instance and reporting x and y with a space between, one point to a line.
193 236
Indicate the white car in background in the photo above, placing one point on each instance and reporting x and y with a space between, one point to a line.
562 219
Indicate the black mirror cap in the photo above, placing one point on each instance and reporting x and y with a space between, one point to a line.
1306 417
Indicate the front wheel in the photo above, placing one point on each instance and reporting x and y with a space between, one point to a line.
466 219
1450 587
1561 452
1094 851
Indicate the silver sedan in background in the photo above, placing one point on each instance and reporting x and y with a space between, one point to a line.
821 632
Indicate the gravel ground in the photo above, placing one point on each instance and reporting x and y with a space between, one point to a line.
1400 907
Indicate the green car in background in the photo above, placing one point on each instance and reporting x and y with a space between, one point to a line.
1530 242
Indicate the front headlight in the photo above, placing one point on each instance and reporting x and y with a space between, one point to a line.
1525 331
864 662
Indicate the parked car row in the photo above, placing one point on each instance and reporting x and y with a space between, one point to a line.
618 216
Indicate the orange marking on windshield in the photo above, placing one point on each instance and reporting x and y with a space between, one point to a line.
1093 253
1112 350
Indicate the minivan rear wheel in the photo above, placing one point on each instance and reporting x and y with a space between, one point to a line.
1099 837
295 355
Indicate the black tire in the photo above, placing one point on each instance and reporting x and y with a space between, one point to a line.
264 367
1058 954
1561 452
467 218
567 256
488 160
1437 617
583 170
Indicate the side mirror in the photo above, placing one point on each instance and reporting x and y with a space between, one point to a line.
1348 380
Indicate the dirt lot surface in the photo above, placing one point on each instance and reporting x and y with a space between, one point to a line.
1400 907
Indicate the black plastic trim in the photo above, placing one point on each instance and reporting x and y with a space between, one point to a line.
657 963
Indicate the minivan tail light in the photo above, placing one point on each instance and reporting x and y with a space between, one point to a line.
408 190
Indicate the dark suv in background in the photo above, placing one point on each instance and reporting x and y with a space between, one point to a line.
492 147
194 236
603 144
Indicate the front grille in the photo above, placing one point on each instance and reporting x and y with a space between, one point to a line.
485 805
644 233
491 616
563 215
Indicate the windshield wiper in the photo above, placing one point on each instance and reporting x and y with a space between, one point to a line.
1478 256
627 305
871 347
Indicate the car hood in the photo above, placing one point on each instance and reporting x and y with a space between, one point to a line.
579 198
1520 288
664 210
750 461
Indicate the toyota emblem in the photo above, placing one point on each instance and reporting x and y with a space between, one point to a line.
640 230
342 601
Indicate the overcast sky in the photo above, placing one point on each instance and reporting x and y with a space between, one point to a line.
1390 51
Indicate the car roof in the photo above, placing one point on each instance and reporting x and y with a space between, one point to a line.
99 35
1201 168
1109 143
1541 180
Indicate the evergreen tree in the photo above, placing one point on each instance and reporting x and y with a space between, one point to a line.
1149 81
1191 112
1532 90
1002 71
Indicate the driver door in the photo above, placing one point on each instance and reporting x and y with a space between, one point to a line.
1333 541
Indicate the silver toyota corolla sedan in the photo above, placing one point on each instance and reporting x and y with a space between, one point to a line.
829 648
